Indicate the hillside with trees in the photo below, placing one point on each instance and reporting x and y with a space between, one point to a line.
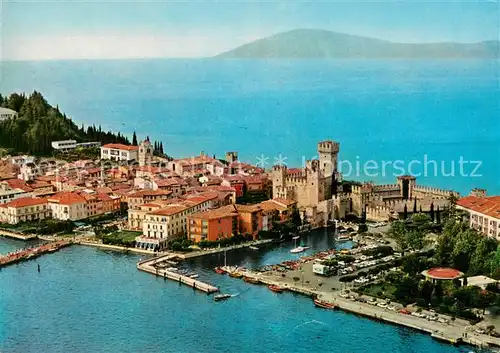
39 123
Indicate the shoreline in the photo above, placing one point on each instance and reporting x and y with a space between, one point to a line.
453 333
183 256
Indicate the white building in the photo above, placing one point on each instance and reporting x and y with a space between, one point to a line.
161 225
119 152
65 145
21 160
484 212
6 113
24 209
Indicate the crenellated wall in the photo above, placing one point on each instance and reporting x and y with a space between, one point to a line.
422 191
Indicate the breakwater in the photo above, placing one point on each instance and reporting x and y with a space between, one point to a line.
152 266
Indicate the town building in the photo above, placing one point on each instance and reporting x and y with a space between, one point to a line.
68 206
140 197
6 113
484 212
8 194
24 209
161 225
63 146
225 222
119 152
213 225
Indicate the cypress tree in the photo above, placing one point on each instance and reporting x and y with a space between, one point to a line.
438 216
405 212
415 206
161 147
134 139
432 212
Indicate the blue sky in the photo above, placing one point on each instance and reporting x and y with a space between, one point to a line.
107 29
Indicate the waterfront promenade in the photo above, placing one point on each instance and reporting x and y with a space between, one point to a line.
32 253
453 331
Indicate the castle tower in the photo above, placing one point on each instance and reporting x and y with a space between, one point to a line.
145 153
406 184
328 158
231 157
279 175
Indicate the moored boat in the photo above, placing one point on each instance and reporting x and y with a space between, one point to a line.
253 248
276 288
323 304
235 274
219 270
251 280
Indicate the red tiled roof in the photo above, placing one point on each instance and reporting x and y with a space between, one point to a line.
66 198
169 210
18 184
247 208
26 201
119 146
221 212
443 273
489 206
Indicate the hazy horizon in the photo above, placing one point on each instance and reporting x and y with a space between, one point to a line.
128 30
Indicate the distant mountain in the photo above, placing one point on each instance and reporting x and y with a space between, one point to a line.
313 43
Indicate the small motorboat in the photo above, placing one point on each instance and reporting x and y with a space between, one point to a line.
322 304
251 280
253 248
194 275
219 270
276 288
220 297
297 250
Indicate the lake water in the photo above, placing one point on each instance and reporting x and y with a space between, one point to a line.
378 110
90 300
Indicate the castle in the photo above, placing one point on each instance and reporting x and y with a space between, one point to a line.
321 197
312 187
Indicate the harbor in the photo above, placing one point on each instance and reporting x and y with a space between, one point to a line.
446 329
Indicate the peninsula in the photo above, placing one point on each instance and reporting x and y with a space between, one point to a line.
315 43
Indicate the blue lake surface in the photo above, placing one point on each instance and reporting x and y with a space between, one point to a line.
90 300
378 110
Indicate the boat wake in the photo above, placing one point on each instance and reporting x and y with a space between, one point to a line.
316 322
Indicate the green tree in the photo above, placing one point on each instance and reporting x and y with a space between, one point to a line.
134 139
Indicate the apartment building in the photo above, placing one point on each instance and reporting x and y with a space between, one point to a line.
24 209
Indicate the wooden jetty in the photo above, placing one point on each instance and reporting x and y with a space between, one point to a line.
149 266
32 253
